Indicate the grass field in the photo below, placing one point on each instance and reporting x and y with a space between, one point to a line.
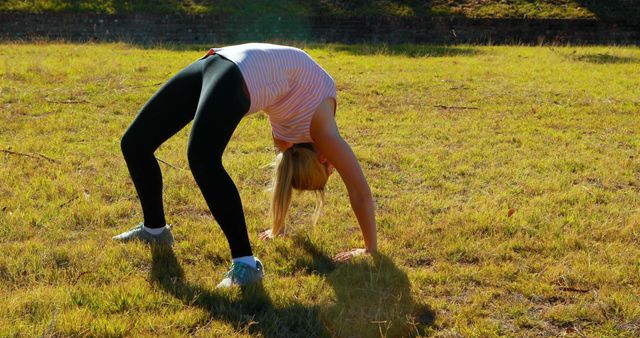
610 9
507 184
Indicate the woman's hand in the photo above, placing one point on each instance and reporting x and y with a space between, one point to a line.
268 234
347 255
265 235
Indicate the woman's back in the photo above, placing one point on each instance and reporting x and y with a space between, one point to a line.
285 82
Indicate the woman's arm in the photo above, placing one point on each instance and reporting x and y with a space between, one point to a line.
330 143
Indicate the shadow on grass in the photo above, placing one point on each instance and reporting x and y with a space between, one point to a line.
253 312
178 47
604 58
408 50
372 297
358 49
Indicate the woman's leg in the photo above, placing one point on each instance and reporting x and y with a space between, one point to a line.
222 105
168 111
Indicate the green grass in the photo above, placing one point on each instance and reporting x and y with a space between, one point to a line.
549 132
612 9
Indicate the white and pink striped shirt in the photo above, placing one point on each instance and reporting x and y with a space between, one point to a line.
285 82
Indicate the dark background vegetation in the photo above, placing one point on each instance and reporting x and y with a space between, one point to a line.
609 10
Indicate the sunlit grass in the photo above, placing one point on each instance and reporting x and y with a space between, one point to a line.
506 181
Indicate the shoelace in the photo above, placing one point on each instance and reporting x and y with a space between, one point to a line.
237 270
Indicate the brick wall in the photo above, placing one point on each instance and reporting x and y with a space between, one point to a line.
150 28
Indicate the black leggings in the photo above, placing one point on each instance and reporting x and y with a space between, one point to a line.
209 92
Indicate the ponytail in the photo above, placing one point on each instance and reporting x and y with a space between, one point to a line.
281 192
296 168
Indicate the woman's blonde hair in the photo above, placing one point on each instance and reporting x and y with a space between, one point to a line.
296 168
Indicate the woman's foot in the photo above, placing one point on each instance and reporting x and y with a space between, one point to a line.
139 233
242 274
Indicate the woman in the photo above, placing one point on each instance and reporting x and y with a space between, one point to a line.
215 92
